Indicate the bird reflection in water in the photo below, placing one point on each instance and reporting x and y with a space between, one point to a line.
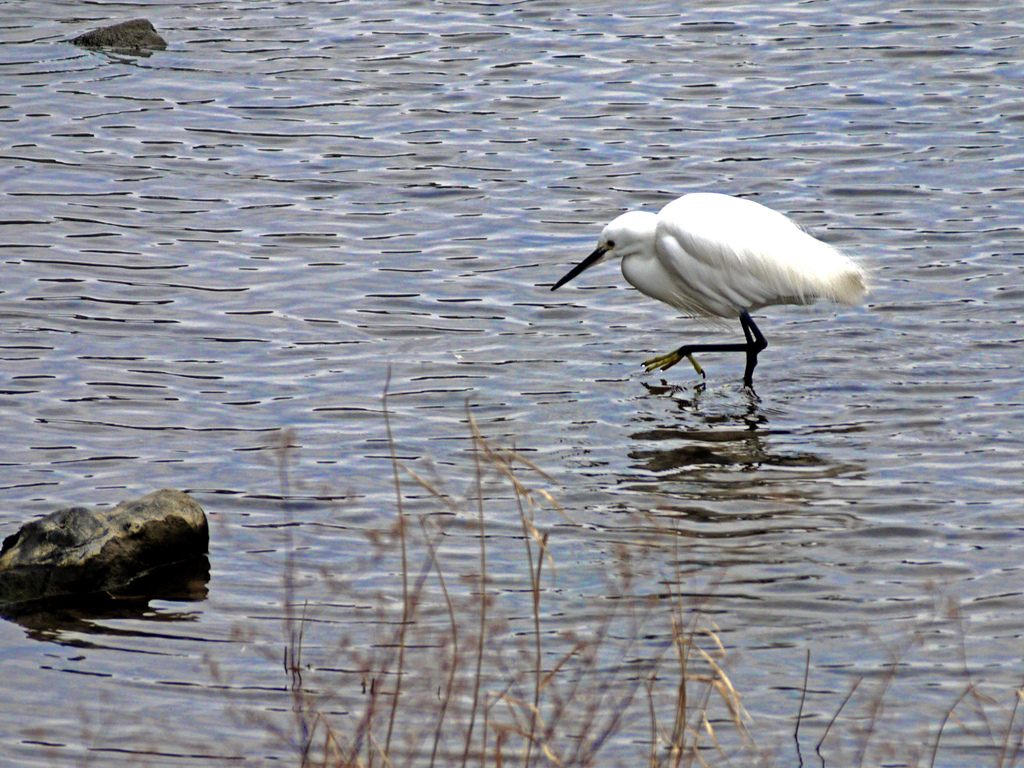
721 471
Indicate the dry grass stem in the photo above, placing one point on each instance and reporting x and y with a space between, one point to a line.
445 667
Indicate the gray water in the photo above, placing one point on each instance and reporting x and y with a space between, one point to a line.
251 231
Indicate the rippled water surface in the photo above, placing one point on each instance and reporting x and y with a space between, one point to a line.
223 248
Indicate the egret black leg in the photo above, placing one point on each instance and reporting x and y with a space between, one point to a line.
755 342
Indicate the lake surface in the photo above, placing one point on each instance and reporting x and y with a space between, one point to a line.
236 244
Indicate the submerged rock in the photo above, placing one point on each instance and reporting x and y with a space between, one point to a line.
79 551
128 36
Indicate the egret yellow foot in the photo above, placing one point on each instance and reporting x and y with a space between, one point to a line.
664 362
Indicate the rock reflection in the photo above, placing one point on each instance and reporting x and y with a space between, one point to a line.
52 620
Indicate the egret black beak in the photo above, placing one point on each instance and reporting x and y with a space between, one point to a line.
595 258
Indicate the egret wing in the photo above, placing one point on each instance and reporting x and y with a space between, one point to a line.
728 254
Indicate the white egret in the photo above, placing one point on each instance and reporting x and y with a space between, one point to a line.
716 256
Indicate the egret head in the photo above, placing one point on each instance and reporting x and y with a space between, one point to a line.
627 235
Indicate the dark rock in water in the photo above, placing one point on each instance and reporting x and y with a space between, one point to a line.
78 551
129 36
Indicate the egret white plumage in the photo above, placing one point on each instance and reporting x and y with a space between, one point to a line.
717 256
